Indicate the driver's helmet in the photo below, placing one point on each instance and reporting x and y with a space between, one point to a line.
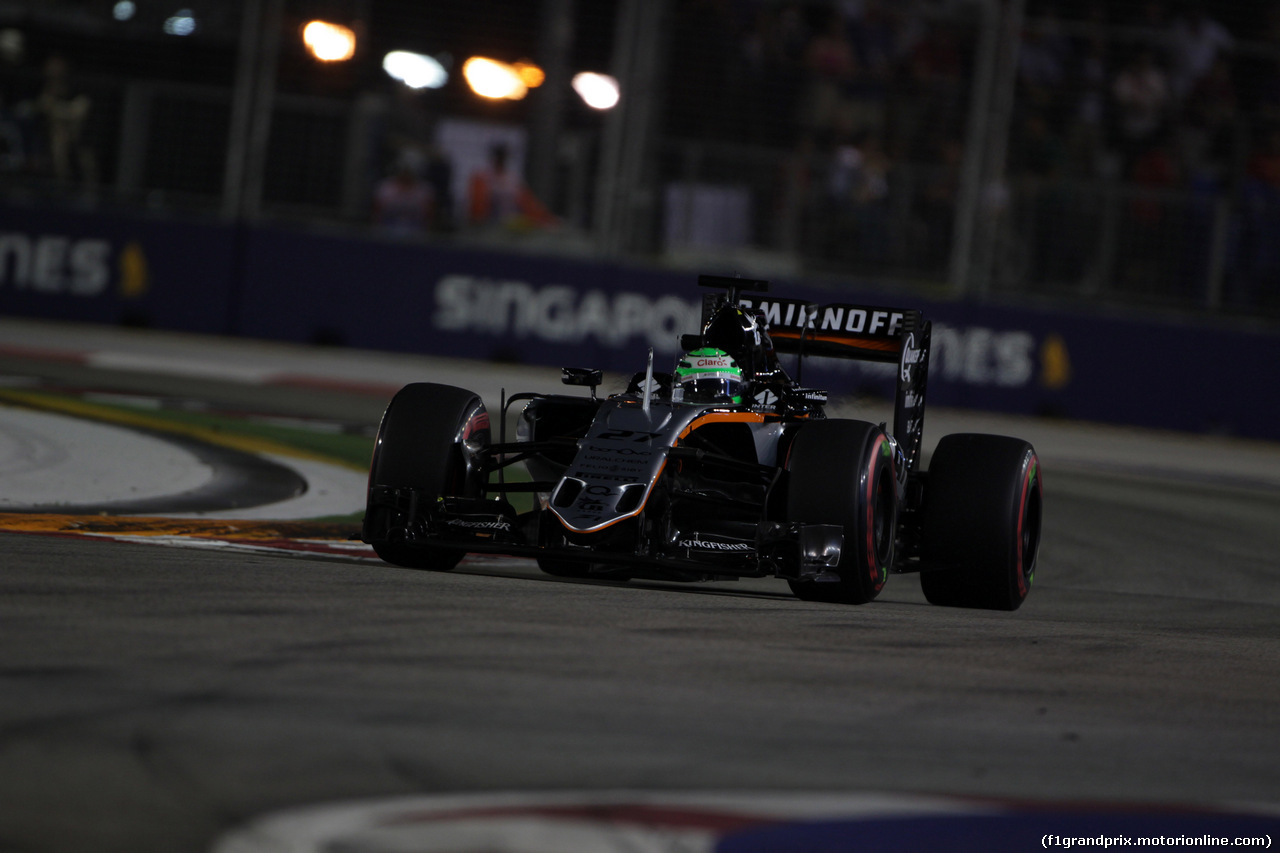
708 375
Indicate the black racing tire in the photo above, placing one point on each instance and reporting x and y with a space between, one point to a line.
419 446
980 522
842 472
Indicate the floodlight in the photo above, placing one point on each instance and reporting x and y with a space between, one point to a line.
530 74
598 91
415 70
180 23
329 42
490 78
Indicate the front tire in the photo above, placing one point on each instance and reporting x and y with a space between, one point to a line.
980 522
842 472
433 439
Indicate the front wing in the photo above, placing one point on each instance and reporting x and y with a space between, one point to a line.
641 544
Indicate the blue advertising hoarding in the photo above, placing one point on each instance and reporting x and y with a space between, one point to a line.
281 284
117 269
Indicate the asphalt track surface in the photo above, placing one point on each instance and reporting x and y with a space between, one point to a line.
156 698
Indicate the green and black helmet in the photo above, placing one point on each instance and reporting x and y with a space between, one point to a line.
708 375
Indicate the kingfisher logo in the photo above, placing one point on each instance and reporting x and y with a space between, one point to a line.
472 524
700 544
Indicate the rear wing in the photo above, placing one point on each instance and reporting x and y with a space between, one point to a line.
840 330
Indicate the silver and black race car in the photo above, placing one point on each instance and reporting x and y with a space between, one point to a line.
723 468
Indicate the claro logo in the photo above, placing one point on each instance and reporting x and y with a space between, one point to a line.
559 313
52 263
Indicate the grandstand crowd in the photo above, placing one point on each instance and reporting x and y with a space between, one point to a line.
1159 119
1177 100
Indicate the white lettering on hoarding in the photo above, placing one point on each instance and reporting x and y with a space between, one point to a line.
557 313
980 356
54 263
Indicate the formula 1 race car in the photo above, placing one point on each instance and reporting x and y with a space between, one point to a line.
723 468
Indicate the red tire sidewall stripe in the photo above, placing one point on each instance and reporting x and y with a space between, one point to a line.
878 572
1030 468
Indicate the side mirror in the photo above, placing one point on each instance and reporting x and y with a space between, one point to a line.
584 376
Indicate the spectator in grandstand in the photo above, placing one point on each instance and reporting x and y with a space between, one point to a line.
1210 114
794 187
875 38
12 151
872 32
13 51
774 77
858 199
871 202
1048 220
409 124
1157 168
832 66
61 117
703 44
1041 152
938 202
403 204
1264 163
935 87
1088 109
1153 16
1143 101
497 196
1197 40
936 58
1153 233
1258 282
1044 57
1267 71
439 176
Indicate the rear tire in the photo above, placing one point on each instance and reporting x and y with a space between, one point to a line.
980 522
841 472
421 445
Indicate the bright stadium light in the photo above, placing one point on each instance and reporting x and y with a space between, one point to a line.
124 10
598 91
530 74
180 23
329 42
490 78
415 70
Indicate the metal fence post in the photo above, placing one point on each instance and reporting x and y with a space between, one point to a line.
971 176
629 127
1004 91
1218 252
134 124
554 43
251 106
